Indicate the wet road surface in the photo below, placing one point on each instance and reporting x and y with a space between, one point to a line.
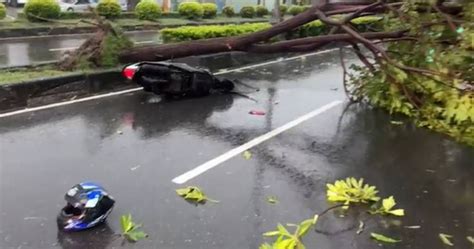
135 144
26 51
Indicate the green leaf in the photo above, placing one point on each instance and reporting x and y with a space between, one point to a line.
136 235
265 246
130 229
283 230
445 239
397 212
271 233
194 194
285 244
126 223
272 199
247 155
470 239
388 203
304 227
383 238
350 191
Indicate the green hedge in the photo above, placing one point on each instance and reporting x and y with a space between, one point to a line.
228 11
187 33
283 9
210 10
41 8
3 11
148 10
109 9
247 12
311 29
362 24
261 11
191 10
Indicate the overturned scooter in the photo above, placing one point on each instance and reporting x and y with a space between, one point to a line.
175 79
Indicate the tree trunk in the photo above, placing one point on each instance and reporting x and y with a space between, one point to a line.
238 43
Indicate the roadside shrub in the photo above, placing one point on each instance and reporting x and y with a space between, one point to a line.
315 28
261 11
210 10
191 10
148 10
187 33
247 12
228 11
41 8
109 9
283 9
3 11
295 10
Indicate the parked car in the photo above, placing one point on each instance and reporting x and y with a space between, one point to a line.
77 5
83 5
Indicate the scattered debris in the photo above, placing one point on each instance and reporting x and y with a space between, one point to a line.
350 191
135 168
452 180
272 200
334 89
470 239
412 227
361 227
445 239
394 122
258 113
130 230
119 132
193 194
386 208
35 218
430 171
247 155
383 238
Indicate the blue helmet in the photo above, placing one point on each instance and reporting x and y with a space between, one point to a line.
88 204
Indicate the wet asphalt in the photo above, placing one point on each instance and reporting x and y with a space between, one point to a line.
34 50
134 144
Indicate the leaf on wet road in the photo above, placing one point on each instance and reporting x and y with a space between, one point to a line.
383 238
413 227
396 122
130 230
361 227
470 239
445 238
386 208
193 194
272 199
247 155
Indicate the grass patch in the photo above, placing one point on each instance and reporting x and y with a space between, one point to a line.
22 75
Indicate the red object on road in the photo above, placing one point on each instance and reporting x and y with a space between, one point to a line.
259 113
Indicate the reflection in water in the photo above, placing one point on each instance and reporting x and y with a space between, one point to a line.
154 120
98 238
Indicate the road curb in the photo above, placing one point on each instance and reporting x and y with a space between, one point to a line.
49 90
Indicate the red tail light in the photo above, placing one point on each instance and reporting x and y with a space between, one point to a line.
130 71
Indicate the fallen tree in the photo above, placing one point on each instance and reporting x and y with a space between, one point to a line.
420 64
